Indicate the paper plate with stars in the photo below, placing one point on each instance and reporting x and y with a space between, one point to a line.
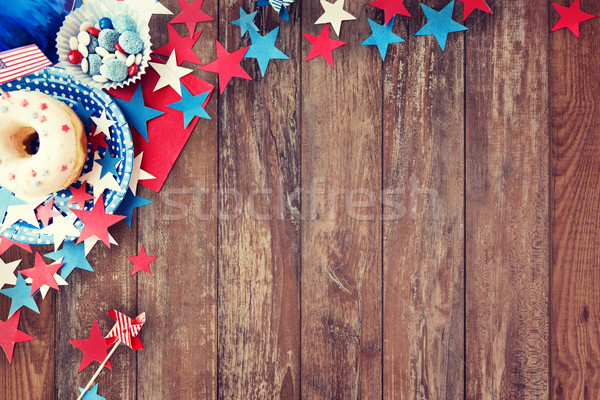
107 170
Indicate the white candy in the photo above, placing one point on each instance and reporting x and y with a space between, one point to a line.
73 43
108 57
100 78
130 60
103 70
138 58
121 56
84 26
83 50
85 65
101 51
83 38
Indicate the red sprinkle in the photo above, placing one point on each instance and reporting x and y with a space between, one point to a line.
33 173
75 57
65 128
63 168
93 31
43 106
11 177
24 103
6 95
43 118
132 70
119 48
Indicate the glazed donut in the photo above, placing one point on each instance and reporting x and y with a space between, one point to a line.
62 144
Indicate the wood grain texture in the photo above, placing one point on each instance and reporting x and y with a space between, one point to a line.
507 204
575 217
259 241
423 231
341 242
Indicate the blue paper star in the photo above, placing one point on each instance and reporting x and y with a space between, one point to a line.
382 36
83 114
246 22
108 164
7 199
191 106
136 113
20 295
263 49
129 202
92 394
73 256
440 23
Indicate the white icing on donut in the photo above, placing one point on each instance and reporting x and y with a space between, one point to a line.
48 170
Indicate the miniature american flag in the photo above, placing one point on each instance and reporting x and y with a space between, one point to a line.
21 61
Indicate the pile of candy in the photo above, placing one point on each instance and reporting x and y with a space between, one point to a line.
111 50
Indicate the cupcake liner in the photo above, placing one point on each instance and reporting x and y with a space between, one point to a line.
93 12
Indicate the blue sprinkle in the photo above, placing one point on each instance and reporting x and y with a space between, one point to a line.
123 23
36 183
107 39
115 70
95 61
93 44
44 172
34 115
105 23
130 42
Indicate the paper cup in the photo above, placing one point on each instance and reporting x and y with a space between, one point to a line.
93 12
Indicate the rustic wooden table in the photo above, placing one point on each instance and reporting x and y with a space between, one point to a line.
475 277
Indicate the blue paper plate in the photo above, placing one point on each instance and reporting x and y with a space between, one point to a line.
60 85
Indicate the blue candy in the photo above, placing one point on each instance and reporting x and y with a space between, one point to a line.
93 44
105 23
107 39
95 62
115 70
123 23
130 42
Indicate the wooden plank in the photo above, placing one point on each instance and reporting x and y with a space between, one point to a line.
259 251
341 230
423 230
31 374
575 219
180 297
507 204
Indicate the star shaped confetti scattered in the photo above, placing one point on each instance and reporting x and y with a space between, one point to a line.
103 124
323 45
227 65
46 212
79 195
7 199
136 112
191 106
94 347
99 185
97 140
440 23
108 164
96 222
7 273
23 212
471 5
334 14
72 256
42 274
246 22
141 262
391 8
83 114
61 228
5 244
170 74
571 17
129 203
9 335
20 295
45 288
137 173
263 49
183 46
92 394
191 14
382 36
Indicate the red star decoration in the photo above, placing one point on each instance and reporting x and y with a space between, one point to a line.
45 212
182 46
391 8
5 244
63 168
96 222
571 17
9 335
94 347
471 5
43 106
191 14
97 140
65 128
141 262
80 196
323 45
227 65
42 273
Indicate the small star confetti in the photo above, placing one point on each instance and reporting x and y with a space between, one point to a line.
137 113
227 65
391 8
10 335
471 5
382 36
103 124
323 45
183 46
571 17
96 222
440 23
264 50
191 14
246 22
141 262
334 14
42 274
21 296
94 347
170 74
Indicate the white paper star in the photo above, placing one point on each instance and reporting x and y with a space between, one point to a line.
170 73
7 273
60 228
45 288
25 212
99 185
90 242
103 124
138 174
334 14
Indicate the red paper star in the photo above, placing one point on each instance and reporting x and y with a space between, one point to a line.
141 262
45 212
9 335
571 17
323 45
94 347
42 273
80 196
97 140
391 8
227 65
182 46
191 14
5 244
471 5
96 222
